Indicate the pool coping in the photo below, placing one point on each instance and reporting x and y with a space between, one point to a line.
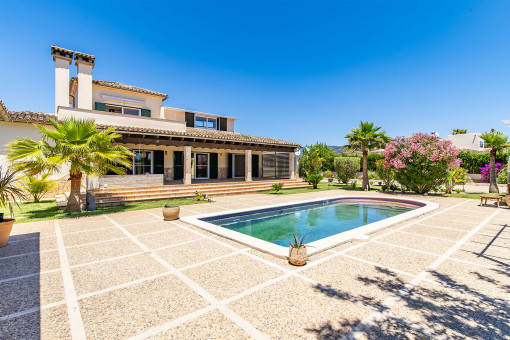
314 247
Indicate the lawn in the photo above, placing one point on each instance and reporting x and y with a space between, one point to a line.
30 212
323 186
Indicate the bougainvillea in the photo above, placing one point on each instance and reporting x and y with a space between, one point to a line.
486 171
421 162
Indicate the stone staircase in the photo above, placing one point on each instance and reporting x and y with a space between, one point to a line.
117 196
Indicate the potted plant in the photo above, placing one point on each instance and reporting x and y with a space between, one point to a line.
10 193
298 250
314 179
171 212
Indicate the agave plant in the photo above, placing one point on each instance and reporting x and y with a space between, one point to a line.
10 191
297 242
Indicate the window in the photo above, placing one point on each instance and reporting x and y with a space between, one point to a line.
124 110
206 122
142 162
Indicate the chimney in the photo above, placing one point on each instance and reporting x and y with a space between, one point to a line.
62 58
84 64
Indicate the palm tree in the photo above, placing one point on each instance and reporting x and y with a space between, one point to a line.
366 137
10 191
77 144
496 141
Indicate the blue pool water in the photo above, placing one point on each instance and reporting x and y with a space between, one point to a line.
327 218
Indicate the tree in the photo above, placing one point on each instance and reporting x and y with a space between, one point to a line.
365 138
10 191
496 141
315 158
79 144
459 131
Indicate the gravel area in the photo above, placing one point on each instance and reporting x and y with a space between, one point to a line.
170 280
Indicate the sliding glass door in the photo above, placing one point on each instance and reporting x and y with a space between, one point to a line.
201 165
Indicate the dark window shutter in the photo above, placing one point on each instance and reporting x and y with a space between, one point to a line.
223 124
146 113
229 174
217 123
100 106
213 165
178 165
254 165
159 162
190 119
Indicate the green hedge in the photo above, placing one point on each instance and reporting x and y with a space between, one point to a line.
372 158
472 162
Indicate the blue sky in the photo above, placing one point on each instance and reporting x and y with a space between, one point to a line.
303 71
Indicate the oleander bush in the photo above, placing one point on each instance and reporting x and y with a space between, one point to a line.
421 162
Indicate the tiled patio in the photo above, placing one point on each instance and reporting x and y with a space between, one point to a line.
131 275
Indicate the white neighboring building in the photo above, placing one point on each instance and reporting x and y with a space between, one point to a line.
470 141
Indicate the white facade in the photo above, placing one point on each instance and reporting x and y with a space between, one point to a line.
470 141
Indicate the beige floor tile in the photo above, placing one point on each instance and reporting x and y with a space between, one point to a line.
418 242
480 254
29 264
389 328
30 292
18 246
48 324
92 236
429 230
232 275
167 238
496 241
85 226
129 311
294 309
392 257
453 314
454 224
213 325
101 251
489 282
34 229
102 275
141 218
193 253
149 227
358 282
225 240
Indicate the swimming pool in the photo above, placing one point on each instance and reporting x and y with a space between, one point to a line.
332 220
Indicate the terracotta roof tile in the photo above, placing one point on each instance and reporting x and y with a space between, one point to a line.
43 118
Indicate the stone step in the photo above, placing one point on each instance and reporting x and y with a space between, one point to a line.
217 184
109 201
185 190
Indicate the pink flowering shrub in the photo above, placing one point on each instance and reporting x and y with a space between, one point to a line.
486 171
421 162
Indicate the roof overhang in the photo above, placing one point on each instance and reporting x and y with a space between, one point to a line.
200 113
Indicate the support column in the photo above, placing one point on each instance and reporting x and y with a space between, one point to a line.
291 165
187 165
247 166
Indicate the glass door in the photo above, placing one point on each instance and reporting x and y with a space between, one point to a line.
142 162
202 165
239 165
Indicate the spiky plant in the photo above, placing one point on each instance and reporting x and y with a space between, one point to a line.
10 191
76 143
298 242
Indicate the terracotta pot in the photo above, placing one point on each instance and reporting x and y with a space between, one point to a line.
297 256
171 213
5 231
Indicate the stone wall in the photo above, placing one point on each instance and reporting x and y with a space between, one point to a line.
222 173
169 174
127 181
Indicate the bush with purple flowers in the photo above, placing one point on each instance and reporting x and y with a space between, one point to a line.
486 171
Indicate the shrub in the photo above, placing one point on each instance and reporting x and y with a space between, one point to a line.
422 161
486 171
316 157
277 187
456 175
503 176
38 187
314 179
346 168
386 173
472 162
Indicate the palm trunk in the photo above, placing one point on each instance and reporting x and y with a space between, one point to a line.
366 185
74 202
493 187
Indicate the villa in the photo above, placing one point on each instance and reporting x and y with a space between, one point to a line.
170 145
